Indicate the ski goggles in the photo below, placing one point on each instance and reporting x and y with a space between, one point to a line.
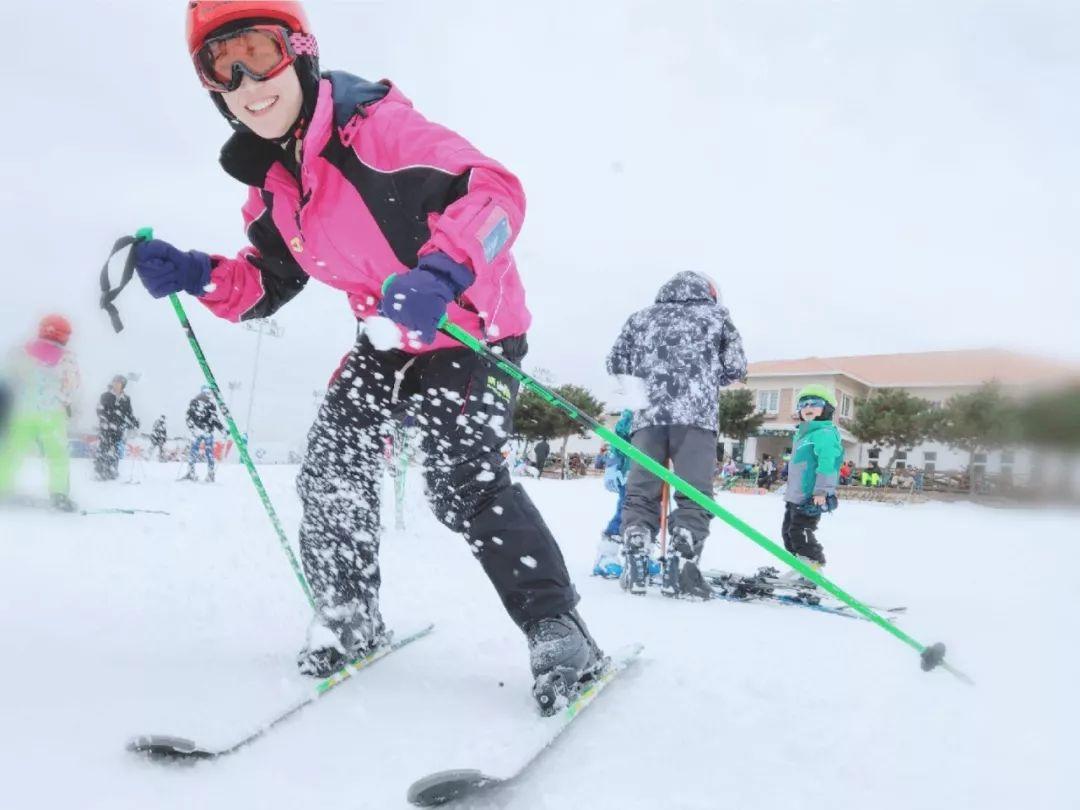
812 402
258 51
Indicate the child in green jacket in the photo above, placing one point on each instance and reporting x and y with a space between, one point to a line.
812 474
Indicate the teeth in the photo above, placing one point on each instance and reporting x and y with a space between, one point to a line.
259 106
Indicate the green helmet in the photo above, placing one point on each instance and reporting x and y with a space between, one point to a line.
819 391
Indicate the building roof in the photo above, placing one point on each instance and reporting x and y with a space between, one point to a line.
950 368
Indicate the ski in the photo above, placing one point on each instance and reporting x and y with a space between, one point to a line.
166 748
765 584
122 511
447 786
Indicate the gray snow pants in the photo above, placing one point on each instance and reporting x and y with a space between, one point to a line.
692 451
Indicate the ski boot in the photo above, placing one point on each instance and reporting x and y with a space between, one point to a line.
562 656
635 573
188 476
61 502
608 557
795 579
333 643
210 476
682 577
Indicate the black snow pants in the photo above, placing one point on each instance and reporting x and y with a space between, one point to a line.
798 531
107 459
464 408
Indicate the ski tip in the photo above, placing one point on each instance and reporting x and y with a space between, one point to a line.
447 786
164 748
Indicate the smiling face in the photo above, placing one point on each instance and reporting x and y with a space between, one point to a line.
808 412
270 107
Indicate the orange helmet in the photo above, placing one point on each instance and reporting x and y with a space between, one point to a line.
206 16
56 328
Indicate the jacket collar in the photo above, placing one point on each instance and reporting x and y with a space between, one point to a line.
342 97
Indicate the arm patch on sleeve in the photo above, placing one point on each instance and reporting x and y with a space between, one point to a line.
494 233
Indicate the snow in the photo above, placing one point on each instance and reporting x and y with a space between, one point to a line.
383 333
117 625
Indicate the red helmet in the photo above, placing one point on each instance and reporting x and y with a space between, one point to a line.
206 16
56 328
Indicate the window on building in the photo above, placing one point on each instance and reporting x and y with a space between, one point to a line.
930 461
768 401
900 460
875 454
1008 457
847 406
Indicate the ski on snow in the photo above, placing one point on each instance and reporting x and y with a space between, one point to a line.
447 786
167 748
767 586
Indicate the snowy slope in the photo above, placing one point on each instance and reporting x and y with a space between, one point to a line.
188 624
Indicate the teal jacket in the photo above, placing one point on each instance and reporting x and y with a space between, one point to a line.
815 462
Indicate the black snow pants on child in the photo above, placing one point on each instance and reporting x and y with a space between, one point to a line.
798 531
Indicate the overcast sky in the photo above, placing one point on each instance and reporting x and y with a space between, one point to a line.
859 177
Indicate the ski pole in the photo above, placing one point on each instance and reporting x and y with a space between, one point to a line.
930 656
107 298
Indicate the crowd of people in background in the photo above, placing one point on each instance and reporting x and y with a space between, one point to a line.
39 386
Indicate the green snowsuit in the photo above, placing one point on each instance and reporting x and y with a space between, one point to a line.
44 378
816 456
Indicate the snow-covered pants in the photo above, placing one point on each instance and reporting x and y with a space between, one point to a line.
692 451
798 531
107 460
464 409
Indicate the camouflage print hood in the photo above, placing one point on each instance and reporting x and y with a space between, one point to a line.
687 288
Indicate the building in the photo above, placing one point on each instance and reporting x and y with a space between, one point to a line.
935 376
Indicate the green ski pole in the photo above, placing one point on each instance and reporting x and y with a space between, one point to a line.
931 656
107 297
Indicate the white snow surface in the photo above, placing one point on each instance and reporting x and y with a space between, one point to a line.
116 625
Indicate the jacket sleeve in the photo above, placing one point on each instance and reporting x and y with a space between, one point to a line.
620 358
730 351
189 419
829 451
263 277
479 226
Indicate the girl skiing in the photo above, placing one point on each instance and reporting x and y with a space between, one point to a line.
349 185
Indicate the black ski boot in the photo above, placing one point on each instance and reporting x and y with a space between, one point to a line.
682 577
562 656
188 476
333 643
635 573
210 476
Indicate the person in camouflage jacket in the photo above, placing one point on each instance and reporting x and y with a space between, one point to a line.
684 349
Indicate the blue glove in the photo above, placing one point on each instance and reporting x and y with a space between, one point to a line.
418 299
164 270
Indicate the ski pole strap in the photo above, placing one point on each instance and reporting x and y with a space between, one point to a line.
108 293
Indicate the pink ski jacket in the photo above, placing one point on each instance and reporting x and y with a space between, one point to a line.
377 186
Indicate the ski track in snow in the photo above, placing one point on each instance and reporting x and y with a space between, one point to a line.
116 625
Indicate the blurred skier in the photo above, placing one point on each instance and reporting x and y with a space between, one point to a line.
616 468
685 348
202 422
42 379
158 436
115 418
